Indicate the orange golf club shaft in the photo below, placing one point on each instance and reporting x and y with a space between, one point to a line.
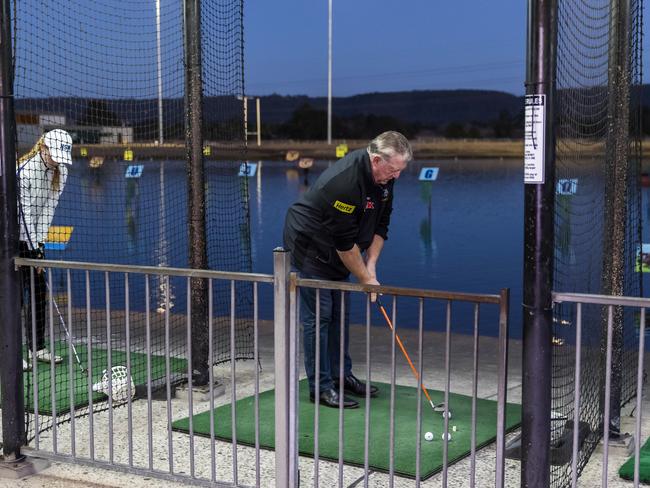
401 346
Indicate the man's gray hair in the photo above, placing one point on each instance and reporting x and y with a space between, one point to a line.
390 143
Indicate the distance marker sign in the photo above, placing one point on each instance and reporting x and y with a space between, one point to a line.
428 174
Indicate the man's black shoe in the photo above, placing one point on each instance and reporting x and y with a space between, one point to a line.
330 398
354 386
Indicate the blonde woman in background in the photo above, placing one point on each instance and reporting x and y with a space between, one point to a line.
41 177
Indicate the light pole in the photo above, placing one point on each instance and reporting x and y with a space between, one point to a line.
159 61
329 74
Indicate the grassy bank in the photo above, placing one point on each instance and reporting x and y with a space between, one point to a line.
277 149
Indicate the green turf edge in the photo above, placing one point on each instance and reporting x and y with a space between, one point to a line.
626 471
402 474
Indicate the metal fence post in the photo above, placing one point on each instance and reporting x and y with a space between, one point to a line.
502 386
13 404
281 269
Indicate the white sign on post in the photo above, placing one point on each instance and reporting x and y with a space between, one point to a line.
247 169
428 174
534 130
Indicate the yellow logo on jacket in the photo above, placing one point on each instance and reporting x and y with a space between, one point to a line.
344 207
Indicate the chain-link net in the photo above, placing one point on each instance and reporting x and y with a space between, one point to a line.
112 75
597 213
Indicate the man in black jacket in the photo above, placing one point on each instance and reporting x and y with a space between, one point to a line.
339 227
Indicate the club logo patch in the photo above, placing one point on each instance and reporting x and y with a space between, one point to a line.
344 207
370 205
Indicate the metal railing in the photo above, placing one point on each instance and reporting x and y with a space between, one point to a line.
611 303
138 438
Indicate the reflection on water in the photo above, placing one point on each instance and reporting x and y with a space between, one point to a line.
462 232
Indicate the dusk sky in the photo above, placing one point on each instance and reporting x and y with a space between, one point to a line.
381 45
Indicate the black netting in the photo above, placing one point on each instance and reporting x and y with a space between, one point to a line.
112 75
597 211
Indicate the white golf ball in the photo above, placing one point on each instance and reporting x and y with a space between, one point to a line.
428 436
448 436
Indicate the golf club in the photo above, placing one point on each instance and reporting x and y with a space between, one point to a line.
439 407
67 332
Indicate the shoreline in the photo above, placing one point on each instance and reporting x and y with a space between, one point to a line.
276 150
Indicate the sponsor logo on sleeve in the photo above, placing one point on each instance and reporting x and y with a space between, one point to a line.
344 207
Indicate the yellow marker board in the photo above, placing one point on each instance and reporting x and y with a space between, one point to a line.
207 150
83 151
128 155
59 233
341 150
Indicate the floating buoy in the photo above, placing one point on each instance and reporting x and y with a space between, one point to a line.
292 155
96 161
305 163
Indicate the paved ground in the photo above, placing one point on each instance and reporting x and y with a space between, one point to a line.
69 475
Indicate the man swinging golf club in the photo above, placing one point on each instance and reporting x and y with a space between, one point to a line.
336 228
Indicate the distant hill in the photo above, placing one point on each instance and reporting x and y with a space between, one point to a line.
424 107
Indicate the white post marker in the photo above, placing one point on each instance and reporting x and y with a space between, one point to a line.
428 174
134 171
567 186
248 169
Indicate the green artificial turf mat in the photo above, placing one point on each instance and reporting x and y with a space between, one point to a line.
354 424
63 378
627 470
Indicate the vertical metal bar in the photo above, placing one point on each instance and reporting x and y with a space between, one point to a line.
170 441
317 391
256 359
147 294
213 467
366 430
445 444
35 375
11 384
259 121
52 364
329 72
639 399
190 396
576 397
502 385
89 334
472 466
539 202
281 266
608 389
73 429
341 385
161 134
294 353
418 428
109 351
233 385
129 393
393 387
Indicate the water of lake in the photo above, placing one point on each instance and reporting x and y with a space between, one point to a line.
462 232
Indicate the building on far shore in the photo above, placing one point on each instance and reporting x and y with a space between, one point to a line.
29 127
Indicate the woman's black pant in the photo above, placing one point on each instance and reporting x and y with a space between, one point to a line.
40 298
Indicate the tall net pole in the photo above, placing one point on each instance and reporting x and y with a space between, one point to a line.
196 186
539 200
13 405
616 193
